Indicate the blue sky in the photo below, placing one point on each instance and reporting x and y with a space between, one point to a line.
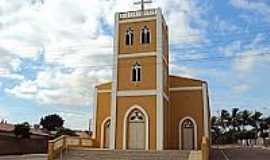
53 52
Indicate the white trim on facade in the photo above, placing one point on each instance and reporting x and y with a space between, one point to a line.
166 96
205 110
94 125
114 84
104 91
159 64
195 132
146 125
190 88
137 20
137 55
129 93
102 131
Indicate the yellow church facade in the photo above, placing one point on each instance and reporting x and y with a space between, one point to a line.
145 108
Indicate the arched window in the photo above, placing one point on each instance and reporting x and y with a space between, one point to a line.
136 116
145 35
136 72
129 37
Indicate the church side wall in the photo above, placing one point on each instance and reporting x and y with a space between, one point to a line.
103 111
148 103
185 104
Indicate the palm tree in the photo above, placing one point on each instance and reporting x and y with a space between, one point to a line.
235 119
245 119
215 129
256 121
225 119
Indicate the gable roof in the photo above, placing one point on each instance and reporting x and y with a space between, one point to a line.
177 81
107 85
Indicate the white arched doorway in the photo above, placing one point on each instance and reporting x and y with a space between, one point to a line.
188 134
136 132
105 133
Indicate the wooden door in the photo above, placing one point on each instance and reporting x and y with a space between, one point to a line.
136 131
187 135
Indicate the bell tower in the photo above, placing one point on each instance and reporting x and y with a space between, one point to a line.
140 76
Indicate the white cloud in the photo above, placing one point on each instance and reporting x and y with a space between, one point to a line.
249 53
231 49
55 87
12 76
75 120
246 64
180 16
71 34
183 71
253 6
6 72
240 88
3 113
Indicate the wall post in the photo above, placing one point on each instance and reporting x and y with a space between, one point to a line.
205 148
50 151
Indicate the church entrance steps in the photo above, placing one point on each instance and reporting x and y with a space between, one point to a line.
87 154
25 157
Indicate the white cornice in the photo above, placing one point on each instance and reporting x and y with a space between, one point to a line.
134 55
104 91
190 88
136 93
137 20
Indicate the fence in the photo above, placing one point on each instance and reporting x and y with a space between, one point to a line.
58 145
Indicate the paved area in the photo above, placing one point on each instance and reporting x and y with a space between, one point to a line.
25 157
240 154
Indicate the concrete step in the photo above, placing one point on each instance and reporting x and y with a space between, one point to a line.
25 157
75 154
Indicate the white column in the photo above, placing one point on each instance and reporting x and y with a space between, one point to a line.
94 125
160 115
114 85
205 109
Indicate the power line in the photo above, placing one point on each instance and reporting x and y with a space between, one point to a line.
184 37
212 59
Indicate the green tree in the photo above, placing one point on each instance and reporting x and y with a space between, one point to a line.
235 118
245 119
65 131
256 121
22 130
215 129
52 122
225 119
229 127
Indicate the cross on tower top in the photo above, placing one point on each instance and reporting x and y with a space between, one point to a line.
142 3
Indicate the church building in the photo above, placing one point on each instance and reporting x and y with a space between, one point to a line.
144 107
